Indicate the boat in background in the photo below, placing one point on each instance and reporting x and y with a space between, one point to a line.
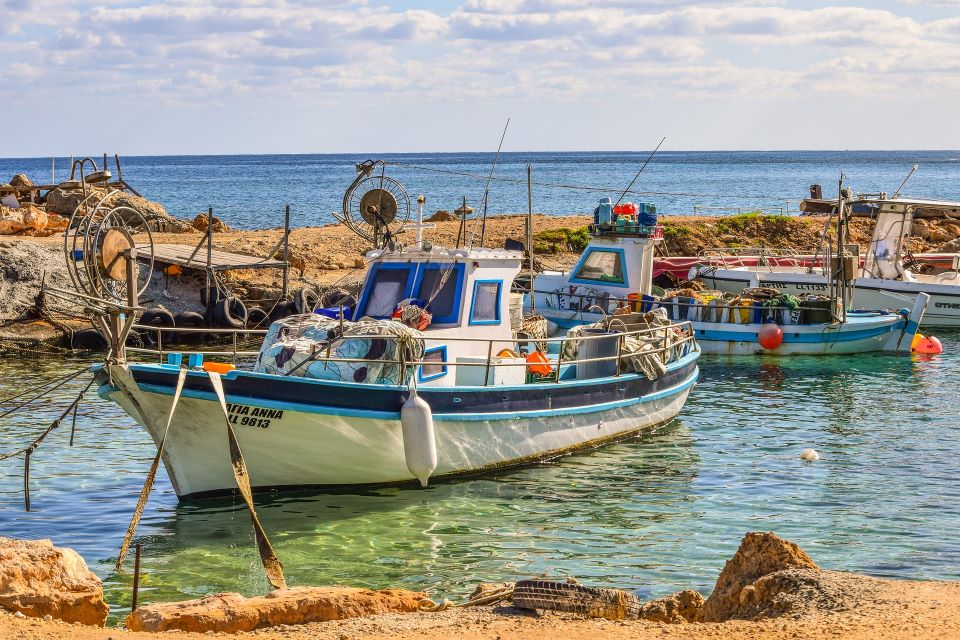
887 278
613 278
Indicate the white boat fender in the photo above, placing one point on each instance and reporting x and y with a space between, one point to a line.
419 440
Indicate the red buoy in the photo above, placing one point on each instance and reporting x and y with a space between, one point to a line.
929 345
770 335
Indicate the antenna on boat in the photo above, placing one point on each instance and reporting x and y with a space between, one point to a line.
629 186
486 191
913 169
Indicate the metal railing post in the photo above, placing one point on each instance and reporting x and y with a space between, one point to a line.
486 371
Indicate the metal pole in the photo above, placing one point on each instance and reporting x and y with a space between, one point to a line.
286 251
26 479
209 257
136 577
486 371
533 297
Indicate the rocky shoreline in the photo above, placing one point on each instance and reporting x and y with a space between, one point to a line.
770 588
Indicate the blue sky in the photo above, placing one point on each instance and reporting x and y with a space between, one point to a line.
271 76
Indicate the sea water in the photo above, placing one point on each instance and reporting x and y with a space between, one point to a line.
654 514
251 191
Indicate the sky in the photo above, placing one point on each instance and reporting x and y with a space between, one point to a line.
138 77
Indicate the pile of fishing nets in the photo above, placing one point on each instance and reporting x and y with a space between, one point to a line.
313 346
752 305
646 353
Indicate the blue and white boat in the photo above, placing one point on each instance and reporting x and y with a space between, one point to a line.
332 402
613 276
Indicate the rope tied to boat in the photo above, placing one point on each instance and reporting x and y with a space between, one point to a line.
151 476
268 557
27 451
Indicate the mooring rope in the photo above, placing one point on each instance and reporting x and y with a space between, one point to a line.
271 564
58 382
429 606
29 449
151 476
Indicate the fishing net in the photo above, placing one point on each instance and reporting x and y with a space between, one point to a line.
311 346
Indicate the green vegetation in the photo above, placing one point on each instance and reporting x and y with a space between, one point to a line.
739 222
675 232
561 240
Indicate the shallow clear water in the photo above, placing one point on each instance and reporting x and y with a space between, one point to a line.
654 514
250 191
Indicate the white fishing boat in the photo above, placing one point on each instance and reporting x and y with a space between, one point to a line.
889 277
613 278
434 379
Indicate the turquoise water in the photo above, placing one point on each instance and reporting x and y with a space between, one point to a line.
654 514
250 191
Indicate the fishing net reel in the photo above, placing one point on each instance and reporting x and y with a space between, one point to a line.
374 203
100 236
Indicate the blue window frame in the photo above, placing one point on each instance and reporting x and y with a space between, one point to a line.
396 280
607 267
444 303
427 372
485 306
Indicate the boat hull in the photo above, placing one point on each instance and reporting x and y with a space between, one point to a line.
863 333
943 310
294 444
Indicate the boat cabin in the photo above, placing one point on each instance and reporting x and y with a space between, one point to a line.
616 264
467 291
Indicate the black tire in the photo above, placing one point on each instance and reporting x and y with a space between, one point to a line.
156 317
231 313
257 318
306 300
189 320
88 340
612 604
282 310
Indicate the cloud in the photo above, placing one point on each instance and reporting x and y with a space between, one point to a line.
182 51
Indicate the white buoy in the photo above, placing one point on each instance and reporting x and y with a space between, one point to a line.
419 441
809 455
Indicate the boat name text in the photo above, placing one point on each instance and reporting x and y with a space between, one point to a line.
246 416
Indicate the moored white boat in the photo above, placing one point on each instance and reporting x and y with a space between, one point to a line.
884 281
433 380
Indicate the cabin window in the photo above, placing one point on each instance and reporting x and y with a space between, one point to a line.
430 371
439 289
486 302
387 289
603 266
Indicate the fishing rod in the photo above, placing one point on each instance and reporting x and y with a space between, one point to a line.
627 190
486 191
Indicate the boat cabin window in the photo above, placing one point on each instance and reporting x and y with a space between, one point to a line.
385 291
486 302
603 266
439 288
429 371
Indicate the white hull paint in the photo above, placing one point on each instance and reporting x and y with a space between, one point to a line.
310 449
943 310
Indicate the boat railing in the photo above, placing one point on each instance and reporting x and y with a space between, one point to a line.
673 338
752 257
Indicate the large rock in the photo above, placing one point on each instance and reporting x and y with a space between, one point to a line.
759 555
683 606
27 218
231 612
39 579
21 180
64 201
200 223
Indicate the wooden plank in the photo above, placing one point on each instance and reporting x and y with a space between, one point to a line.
220 260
